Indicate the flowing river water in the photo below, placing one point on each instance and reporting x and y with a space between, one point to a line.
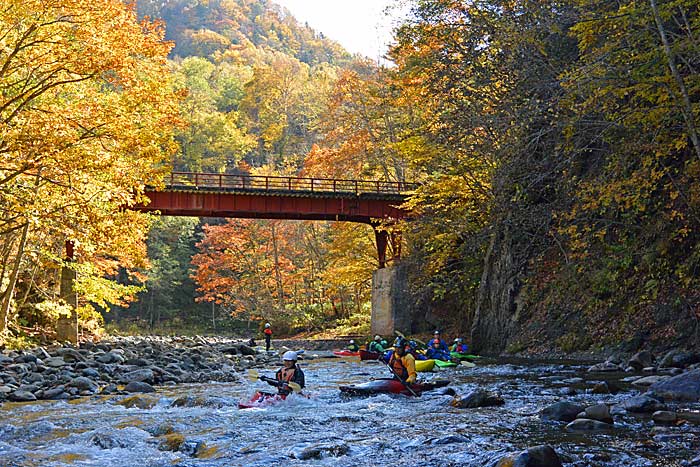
206 428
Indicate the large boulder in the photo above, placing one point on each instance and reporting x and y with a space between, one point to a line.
641 360
642 404
477 398
684 387
538 456
679 359
561 411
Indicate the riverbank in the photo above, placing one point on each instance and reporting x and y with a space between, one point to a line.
500 412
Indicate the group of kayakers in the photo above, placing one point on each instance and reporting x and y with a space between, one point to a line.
436 348
401 359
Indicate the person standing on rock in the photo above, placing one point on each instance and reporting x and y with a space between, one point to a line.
268 336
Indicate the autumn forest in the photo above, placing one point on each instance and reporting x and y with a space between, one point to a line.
555 144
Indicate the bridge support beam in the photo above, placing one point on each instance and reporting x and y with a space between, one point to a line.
391 309
384 239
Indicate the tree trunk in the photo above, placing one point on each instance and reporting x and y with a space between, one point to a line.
10 290
686 106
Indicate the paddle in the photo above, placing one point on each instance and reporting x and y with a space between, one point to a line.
406 385
254 376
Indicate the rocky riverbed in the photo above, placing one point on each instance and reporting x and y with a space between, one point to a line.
173 401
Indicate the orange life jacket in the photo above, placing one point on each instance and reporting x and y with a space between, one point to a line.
286 374
396 364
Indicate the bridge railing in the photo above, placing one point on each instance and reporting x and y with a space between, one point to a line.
277 183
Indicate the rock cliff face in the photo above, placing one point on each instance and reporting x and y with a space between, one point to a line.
496 313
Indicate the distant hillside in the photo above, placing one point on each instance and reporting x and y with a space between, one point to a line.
205 27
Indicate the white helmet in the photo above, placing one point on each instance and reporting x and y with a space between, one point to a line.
377 337
352 341
267 325
290 355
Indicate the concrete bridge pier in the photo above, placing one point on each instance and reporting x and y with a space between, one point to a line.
391 309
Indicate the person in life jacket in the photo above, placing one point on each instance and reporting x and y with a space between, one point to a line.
436 352
268 335
459 346
402 363
376 345
289 372
442 345
352 346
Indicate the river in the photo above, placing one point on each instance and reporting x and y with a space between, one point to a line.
207 429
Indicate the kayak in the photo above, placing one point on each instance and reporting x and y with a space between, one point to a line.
444 364
390 386
346 353
425 365
262 399
464 356
367 355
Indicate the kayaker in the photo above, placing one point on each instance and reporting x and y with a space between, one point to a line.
436 352
459 346
268 336
402 363
442 343
352 347
412 348
289 372
376 345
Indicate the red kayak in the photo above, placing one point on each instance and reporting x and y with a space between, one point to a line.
390 386
262 399
367 355
346 353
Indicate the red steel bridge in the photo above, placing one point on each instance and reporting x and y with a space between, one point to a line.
273 197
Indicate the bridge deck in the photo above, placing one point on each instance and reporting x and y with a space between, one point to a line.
273 197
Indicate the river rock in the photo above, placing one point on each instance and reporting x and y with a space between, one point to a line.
600 412
57 393
5 389
107 441
586 424
26 358
320 451
642 404
90 373
664 417
139 401
110 357
83 384
684 387
648 380
561 411
70 355
641 360
477 398
245 350
137 386
22 396
452 439
605 367
679 359
537 456
34 378
55 362
144 375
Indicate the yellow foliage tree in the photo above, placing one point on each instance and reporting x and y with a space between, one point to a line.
85 118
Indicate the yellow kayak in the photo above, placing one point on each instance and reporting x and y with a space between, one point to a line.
425 365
